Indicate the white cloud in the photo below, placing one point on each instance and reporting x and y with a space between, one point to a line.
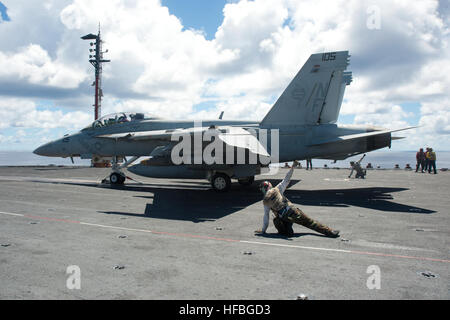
393 117
435 120
160 67
34 65
23 113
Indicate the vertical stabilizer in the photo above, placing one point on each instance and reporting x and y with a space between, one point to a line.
315 95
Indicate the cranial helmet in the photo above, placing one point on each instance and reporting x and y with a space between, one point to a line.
265 186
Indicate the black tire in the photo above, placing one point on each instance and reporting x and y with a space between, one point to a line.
221 182
116 178
247 181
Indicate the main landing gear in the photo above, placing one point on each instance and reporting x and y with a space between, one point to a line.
117 177
221 182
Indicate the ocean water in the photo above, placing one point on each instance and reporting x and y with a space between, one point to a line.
28 158
383 159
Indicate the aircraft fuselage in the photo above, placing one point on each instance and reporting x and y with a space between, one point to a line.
294 142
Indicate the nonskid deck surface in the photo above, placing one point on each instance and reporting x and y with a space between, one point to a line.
178 239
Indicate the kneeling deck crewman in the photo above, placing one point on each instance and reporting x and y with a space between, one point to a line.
360 173
285 212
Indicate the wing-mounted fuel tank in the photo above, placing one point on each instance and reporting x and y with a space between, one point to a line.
191 159
160 164
157 168
147 169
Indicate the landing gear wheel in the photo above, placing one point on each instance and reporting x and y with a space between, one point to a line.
247 181
116 178
221 182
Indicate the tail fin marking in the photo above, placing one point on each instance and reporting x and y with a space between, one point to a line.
315 94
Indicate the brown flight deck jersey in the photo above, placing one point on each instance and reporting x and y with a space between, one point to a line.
275 200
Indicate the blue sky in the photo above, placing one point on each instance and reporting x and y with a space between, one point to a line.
399 76
198 14
3 12
208 16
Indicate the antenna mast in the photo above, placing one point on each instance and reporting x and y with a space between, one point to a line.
96 59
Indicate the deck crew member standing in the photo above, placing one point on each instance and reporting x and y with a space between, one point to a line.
420 159
308 164
427 160
285 211
431 161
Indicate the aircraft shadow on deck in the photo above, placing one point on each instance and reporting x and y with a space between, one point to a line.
198 204
375 198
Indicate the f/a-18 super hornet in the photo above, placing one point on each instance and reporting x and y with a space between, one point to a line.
300 125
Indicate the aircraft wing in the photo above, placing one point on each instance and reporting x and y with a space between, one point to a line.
357 136
241 138
151 135
232 136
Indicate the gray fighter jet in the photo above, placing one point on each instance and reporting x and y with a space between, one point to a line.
300 125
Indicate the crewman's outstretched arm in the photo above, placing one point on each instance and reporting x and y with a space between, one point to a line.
283 184
266 219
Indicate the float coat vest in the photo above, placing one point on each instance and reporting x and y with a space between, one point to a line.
275 200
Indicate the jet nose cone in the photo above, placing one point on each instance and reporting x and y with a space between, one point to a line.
45 150
63 147
39 151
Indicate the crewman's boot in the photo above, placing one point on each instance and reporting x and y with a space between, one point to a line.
301 218
333 234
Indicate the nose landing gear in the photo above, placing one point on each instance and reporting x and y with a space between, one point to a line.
117 178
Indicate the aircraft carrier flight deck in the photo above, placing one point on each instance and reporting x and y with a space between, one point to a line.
179 239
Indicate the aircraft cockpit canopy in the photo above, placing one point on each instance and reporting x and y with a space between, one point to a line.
118 118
